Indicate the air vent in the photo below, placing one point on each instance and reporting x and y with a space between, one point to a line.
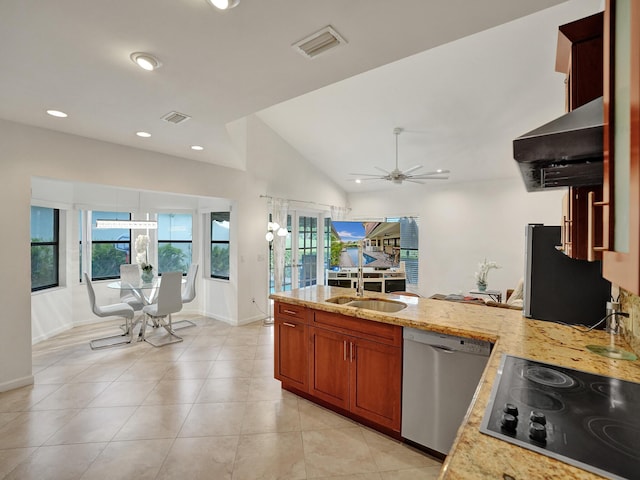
319 42
175 117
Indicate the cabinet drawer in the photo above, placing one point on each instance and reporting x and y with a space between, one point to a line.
286 310
375 331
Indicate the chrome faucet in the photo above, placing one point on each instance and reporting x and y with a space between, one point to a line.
360 285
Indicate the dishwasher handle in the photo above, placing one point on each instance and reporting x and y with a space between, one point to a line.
443 348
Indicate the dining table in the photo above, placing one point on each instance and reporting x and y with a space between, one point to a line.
145 292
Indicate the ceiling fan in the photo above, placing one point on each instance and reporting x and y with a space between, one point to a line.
398 176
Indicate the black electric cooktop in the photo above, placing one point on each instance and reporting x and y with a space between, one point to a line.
587 420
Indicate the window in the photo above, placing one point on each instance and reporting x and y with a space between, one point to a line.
80 245
220 245
409 245
44 248
110 247
327 243
307 250
174 242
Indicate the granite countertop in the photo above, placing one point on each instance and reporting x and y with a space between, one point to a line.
475 455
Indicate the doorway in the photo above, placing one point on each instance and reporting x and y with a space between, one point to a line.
304 259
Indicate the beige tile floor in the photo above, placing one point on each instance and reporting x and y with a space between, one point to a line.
206 408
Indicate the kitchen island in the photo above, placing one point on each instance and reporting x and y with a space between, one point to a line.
475 455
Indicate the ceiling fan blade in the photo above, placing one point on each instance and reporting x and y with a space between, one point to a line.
366 174
363 180
412 169
421 177
435 172
382 170
412 180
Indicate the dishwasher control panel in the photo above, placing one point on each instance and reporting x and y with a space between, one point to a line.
451 342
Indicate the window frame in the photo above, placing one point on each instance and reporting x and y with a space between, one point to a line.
93 242
219 242
56 250
160 242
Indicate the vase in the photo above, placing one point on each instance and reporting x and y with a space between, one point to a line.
147 276
482 286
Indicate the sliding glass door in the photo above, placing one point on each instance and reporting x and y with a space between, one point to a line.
304 251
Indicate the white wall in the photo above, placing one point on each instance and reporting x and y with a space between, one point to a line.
462 224
27 152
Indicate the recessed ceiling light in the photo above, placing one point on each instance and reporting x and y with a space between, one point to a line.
57 113
224 4
143 134
145 61
358 180
197 147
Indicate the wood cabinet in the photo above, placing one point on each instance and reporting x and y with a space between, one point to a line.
356 365
581 227
621 219
351 364
580 56
291 340
330 366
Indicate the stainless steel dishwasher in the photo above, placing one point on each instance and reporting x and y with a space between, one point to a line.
440 375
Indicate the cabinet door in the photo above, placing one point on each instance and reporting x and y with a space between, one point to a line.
329 367
291 353
376 382
621 258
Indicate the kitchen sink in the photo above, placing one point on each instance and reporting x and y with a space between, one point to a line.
341 300
377 304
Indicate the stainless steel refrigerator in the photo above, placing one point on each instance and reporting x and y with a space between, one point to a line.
559 288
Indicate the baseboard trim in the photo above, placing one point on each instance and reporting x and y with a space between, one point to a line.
16 383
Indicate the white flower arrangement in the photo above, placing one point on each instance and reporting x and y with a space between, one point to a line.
484 267
141 246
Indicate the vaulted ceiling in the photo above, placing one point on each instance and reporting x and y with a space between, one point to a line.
462 78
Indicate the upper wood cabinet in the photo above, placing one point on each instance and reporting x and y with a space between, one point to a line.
579 55
621 189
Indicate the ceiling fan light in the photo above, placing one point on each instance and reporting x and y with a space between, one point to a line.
282 232
268 236
223 4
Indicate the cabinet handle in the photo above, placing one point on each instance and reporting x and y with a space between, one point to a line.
286 324
351 351
344 344
567 230
591 248
290 312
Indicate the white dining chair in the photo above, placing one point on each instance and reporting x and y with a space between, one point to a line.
129 278
169 301
188 294
113 310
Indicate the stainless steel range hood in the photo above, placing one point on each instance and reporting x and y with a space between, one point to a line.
567 151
